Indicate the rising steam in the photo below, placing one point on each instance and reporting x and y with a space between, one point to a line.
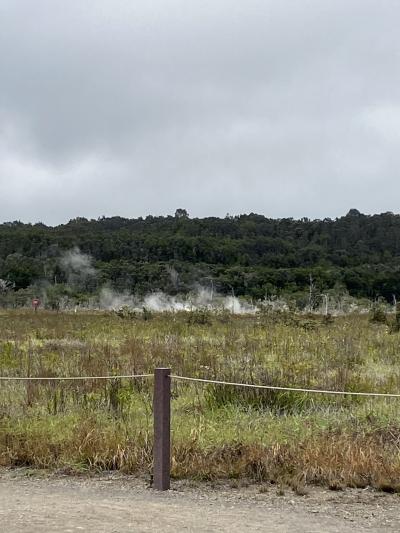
161 302
77 266
79 270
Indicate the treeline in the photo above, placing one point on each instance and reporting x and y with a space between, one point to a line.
249 255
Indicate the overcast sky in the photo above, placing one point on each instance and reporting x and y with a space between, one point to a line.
121 107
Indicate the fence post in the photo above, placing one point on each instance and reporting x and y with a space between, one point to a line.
162 427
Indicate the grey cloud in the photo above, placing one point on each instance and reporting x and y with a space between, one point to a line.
285 108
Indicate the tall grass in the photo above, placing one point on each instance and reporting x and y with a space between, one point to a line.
218 431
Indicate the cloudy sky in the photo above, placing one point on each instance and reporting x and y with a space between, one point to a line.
120 107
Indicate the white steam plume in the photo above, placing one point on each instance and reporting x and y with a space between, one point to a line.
110 299
76 263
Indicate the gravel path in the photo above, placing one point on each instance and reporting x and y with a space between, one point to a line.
114 503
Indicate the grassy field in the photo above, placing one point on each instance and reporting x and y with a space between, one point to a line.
218 432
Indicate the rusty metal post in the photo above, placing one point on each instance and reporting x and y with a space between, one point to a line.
162 428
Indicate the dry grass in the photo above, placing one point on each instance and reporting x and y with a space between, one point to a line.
218 432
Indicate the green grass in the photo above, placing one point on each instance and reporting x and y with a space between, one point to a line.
218 431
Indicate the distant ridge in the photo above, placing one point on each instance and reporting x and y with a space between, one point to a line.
249 255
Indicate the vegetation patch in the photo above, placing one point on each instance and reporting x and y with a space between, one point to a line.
289 438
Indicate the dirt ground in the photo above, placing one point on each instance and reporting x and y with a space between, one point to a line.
33 502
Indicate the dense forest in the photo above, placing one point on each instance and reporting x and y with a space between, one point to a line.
247 255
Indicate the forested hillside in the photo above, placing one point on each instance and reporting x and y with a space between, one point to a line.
249 255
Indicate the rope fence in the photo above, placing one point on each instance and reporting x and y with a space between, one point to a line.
202 380
289 389
162 408
73 378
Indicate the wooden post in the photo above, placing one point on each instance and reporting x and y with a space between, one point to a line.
162 428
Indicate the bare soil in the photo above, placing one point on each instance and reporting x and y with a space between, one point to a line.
35 502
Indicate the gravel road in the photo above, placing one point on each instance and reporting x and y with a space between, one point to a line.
30 502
